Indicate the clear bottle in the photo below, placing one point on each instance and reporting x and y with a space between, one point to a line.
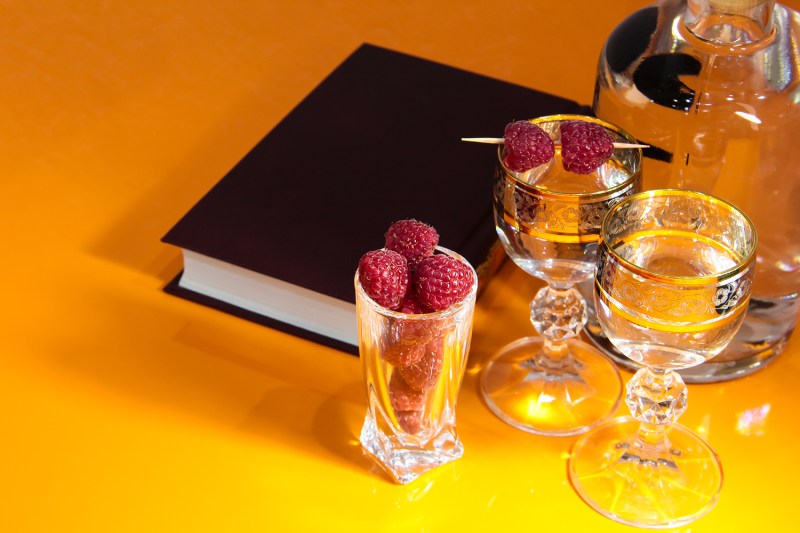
713 86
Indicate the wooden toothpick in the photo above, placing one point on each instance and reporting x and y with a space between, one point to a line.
499 140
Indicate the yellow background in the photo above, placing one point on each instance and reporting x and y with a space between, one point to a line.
126 409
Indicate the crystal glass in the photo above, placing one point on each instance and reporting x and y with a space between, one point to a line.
548 220
410 425
672 286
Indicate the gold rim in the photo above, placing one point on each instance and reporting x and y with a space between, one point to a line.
741 267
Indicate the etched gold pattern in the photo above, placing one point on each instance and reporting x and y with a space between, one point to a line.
559 218
669 301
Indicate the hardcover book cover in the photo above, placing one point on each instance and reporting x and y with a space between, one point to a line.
377 141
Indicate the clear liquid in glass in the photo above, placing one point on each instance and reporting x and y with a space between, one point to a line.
664 343
541 254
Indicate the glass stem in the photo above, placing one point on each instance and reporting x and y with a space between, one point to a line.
656 398
558 313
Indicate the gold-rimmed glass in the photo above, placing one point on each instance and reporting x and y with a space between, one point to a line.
548 220
671 289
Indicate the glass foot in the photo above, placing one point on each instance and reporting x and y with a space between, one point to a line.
642 486
406 457
561 397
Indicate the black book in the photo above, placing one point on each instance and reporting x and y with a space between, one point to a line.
278 239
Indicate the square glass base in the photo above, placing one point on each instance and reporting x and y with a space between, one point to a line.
406 457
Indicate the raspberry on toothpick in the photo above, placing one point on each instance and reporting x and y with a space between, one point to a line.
526 148
585 146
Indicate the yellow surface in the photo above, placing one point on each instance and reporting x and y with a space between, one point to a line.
126 409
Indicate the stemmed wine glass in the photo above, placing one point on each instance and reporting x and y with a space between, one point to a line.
548 220
671 289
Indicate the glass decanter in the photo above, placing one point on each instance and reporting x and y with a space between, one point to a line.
713 86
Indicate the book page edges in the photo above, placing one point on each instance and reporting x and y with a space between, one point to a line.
270 297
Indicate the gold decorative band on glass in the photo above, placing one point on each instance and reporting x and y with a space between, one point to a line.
565 207
698 268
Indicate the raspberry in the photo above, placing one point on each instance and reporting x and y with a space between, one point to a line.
384 276
402 354
425 372
414 332
410 331
412 306
402 396
584 146
441 281
526 146
413 239
410 421
406 337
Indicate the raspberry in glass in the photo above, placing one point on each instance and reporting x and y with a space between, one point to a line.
403 396
408 331
384 276
423 374
413 239
410 421
441 281
400 353
412 306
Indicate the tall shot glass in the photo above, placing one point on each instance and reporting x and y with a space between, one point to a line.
410 425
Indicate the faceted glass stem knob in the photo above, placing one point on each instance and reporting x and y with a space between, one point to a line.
558 314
